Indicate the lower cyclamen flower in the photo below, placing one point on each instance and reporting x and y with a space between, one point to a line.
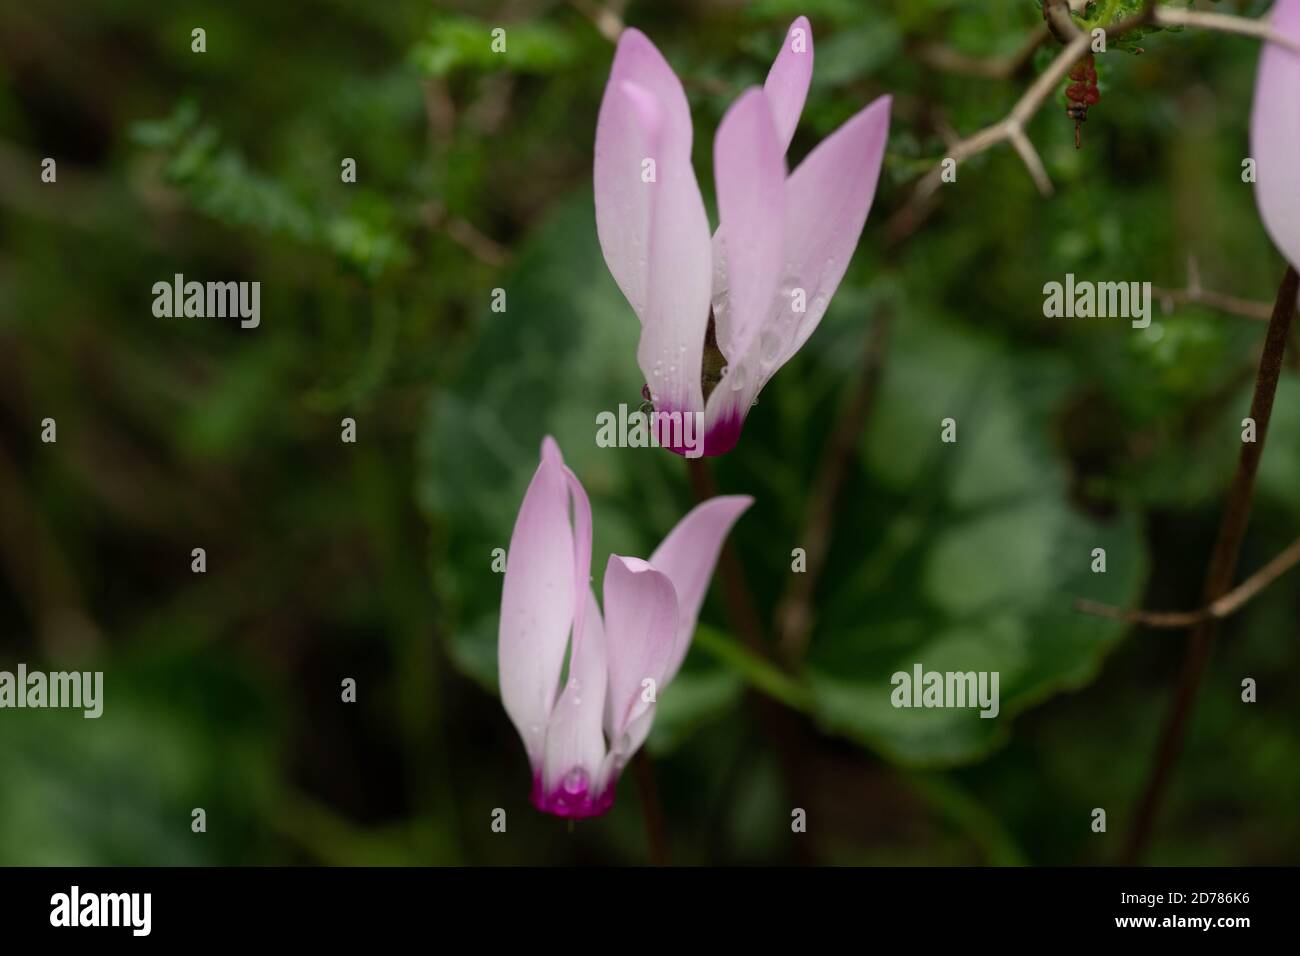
719 315
581 729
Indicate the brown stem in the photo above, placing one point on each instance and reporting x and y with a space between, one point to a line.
780 725
1218 578
656 830
1056 15
794 615
1225 606
1231 304
741 607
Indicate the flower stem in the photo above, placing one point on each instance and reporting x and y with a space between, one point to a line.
741 606
656 830
1219 576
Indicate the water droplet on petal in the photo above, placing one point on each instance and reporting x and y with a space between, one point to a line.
737 378
575 781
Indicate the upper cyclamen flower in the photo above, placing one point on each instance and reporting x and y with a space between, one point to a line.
719 315
580 736
1275 133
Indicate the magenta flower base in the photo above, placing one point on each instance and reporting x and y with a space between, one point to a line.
572 800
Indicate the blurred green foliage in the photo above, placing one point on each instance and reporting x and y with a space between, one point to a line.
373 560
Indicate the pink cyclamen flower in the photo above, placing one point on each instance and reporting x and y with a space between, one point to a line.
719 315
580 736
1275 133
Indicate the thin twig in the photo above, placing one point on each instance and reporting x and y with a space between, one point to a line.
1011 129
1260 29
1245 308
1056 16
993 68
1225 606
1218 578
606 17
1196 294
461 231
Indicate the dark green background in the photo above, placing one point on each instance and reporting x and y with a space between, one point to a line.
373 560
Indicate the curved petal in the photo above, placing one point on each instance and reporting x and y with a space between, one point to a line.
651 221
1275 134
750 171
622 204
571 782
729 403
687 558
827 201
641 614
826 204
537 602
581 553
788 79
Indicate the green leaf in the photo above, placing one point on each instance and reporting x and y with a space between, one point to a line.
965 556
694 698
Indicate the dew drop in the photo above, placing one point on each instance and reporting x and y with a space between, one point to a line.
575 781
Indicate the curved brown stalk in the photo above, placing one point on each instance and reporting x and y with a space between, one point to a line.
1218 578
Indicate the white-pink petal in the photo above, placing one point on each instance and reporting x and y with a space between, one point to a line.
641 615
622 205
788 80
827 201
537 602
688 556
575 741
749 167
1275 134
650 218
